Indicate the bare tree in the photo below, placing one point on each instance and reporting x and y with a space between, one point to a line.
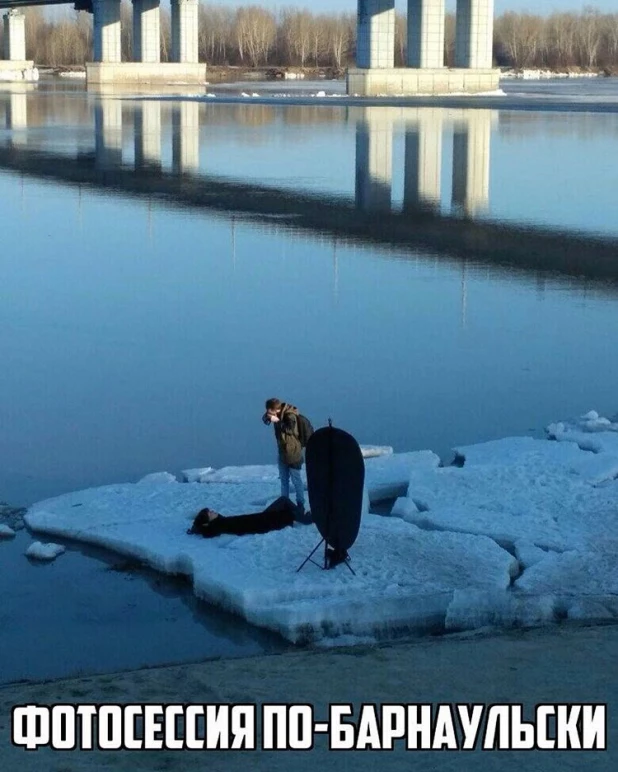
318 38
590 34
255 32
339 33
215 32
296 32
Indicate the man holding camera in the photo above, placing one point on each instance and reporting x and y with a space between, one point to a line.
284 417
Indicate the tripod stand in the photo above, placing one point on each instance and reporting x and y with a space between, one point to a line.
327 558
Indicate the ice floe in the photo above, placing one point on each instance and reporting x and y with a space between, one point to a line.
590 432
518 531
6 532
552 504
404 576
512 489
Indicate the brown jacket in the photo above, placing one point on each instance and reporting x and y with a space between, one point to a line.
286 434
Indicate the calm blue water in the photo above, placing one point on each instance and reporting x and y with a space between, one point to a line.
147 310
140 336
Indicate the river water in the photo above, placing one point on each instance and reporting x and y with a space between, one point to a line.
141 336
169 263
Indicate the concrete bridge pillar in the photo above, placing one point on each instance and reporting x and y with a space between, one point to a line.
374 161
186 137
184 31
146 31
423 161
375 72
474 34
471 152
106 31
108 133
15 36
426 23
148 135
375 42
17 113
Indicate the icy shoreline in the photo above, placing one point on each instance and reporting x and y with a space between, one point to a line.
520 532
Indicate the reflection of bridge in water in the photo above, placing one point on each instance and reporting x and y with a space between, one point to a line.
141 168
425 130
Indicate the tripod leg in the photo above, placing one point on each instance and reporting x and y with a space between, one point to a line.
311 554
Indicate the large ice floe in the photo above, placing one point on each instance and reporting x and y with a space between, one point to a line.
517 532
554 505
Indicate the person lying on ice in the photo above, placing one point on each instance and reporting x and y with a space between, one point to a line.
280 514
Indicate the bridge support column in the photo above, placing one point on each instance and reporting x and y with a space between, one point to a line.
474 34
375 41
186 137
106 31
15 36
426 23
184 31
146 31
374 161
423 162
148 135
108 133
471 151
375 73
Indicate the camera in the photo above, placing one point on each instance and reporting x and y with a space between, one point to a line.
266 419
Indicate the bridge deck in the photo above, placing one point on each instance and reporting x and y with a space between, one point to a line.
9 4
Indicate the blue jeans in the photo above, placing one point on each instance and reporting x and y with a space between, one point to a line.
285 472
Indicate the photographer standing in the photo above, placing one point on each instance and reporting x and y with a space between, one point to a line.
286 420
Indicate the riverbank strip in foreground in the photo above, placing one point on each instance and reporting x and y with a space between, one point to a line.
566 664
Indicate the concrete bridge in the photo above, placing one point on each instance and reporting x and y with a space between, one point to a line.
368 217
375 72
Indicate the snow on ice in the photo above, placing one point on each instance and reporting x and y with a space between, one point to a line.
6 532
551 504
518 532
404 576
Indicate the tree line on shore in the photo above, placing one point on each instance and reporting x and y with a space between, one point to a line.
253 36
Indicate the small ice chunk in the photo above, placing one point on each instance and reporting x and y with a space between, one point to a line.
234 475
528 553
41 551
373 451
158 477
591 416
582 572
387 476
196 475
586 608
404 508
321 94
6 532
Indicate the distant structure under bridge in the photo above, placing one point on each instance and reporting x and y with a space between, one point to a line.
375 73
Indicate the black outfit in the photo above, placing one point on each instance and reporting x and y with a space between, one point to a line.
280 514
